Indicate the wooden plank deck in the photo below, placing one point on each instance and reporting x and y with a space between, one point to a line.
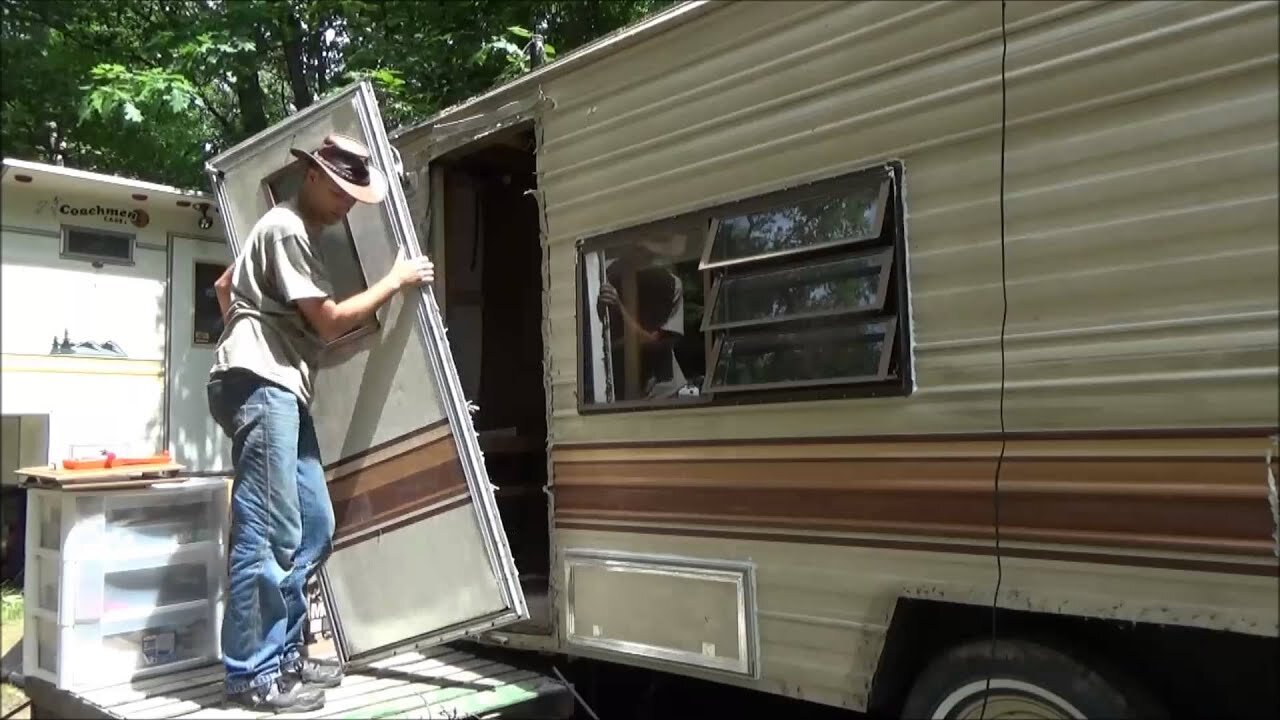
437 683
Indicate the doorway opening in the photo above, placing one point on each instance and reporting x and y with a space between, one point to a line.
492 298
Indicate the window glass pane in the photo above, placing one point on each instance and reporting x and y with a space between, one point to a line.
642 315
335 244
206 315
847 285
804 357
854 214
107 246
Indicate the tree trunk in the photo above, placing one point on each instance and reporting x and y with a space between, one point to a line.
251 99
320 66
295 61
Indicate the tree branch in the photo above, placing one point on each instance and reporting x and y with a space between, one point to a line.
223 120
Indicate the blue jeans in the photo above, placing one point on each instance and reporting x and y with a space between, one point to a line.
281 524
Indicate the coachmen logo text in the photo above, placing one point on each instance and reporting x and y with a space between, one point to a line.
137 218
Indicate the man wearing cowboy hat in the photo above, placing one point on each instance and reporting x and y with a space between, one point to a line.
280 313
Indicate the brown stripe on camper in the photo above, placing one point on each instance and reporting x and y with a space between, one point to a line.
1169 494
1262 569
422 472
407 516
1124 437
388 449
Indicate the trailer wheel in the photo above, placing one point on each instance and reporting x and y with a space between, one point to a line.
1028 680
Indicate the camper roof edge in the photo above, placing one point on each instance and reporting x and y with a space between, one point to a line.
613 42
93 177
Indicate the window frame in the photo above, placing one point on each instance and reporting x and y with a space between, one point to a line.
891 217
785 198
66 254
601 243
882 372
195 304
886 263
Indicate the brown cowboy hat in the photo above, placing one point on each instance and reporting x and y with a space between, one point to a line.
346 161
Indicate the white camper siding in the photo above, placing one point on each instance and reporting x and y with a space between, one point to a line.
89 401
45 294
1118 293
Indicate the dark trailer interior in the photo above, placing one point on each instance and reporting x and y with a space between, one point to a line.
492 272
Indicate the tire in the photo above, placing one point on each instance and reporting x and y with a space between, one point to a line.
1028 680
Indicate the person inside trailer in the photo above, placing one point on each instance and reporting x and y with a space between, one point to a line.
280 313
645 328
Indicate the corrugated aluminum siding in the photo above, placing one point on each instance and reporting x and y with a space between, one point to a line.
1141 197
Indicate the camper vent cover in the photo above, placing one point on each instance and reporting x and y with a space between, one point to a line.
97 245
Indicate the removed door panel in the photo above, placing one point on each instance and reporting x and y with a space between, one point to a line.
420 554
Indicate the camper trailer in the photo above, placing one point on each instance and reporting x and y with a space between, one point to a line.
109 323
918 357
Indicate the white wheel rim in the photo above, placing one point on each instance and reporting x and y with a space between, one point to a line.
1007 699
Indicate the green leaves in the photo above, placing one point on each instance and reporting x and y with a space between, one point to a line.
115 86
179 100
212 45
150 88
511 59
388 79
547 48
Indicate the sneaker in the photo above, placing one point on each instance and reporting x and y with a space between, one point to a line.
315 674
285 695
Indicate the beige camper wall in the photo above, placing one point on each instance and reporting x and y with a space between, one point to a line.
824 610
1140 198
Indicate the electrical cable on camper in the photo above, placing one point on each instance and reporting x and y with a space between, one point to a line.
1004 323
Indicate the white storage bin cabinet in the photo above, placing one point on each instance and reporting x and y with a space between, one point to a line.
124 583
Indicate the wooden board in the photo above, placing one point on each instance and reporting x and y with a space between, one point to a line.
100 479
441 682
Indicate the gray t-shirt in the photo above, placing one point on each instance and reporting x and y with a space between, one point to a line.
266 333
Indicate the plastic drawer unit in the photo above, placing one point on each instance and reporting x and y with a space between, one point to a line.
87 655
124 583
